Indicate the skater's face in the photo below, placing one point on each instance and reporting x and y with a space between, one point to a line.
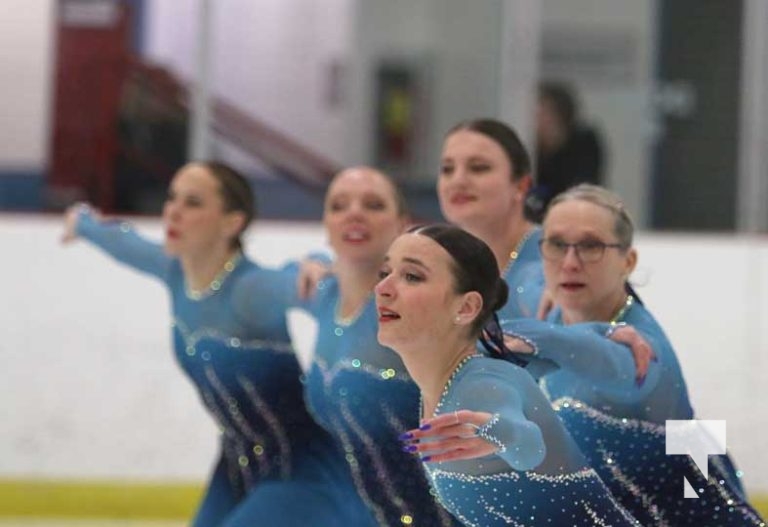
362 215
195 216
587 281
417 299
476 186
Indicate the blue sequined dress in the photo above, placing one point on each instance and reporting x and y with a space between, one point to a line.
360 392
537 477
277 466
620 426
525 277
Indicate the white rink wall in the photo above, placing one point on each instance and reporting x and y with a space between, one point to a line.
90 389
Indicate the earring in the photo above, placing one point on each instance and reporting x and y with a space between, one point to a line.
457 319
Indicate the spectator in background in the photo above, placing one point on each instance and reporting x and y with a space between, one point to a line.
568 152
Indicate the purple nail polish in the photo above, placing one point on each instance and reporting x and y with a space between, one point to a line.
426 458
403 437
425 427
409 448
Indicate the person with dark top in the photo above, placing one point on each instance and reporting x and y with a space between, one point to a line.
568 151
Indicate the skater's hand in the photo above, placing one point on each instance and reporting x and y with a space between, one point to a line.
71 216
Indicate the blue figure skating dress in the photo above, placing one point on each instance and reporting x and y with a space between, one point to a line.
524 276
620 425
360 392
537 477
277 466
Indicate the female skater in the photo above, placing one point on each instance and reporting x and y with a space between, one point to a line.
618 424
276 467
357 389
440 286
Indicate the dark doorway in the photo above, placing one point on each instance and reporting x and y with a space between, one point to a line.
699 77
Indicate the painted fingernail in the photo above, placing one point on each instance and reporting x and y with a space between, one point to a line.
425 427
426 458
403 437
410 448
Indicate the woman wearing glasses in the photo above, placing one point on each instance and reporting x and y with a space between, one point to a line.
588 257
440 286
485 175
484 178
483 181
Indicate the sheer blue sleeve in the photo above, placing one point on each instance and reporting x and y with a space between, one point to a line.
584 349
602 332
320 256
526 285
519 440
285 289
261 297
289 295
119 240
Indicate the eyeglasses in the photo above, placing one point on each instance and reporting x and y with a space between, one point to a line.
588 251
